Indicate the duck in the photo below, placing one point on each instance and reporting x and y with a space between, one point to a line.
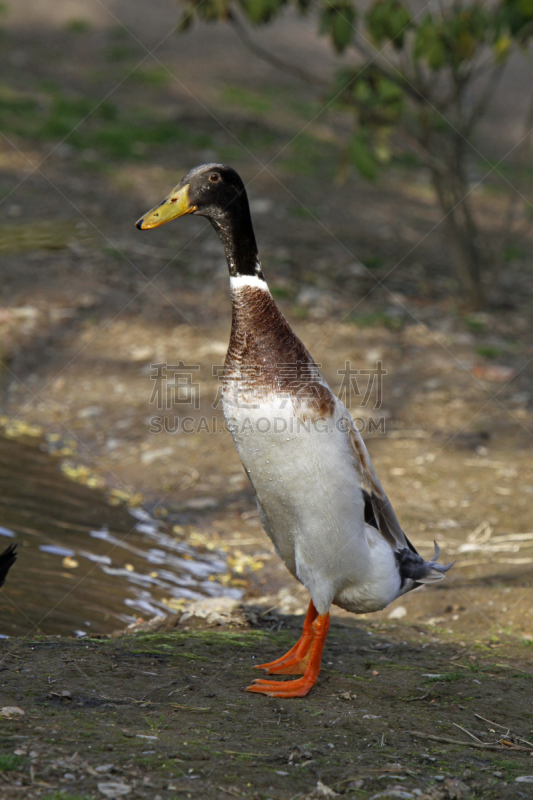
7 559
318 496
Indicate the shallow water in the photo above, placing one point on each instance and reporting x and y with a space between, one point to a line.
85 566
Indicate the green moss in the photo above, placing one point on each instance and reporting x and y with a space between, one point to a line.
250 101
376 318
505 764
309 155
225 638
447 677
148 762
121 52
512 253
374 262
78 25
61 795
280 291
254 137
300 312
24 237
15 105
87 124
150 76
114 252
408 160
128 138
229 153
474 324
118 33
488 351
303 212
9 761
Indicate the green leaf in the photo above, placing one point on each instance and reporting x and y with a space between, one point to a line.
502 47
436 55
453 40
361 156
464 33
341 33
515 17
382 145
338 21
213 10
388 20
185 21
261 11
429 44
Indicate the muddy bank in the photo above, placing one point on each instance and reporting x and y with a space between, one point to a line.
162 715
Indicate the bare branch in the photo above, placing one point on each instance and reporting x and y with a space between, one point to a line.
270 58
419 149
511 230
485 98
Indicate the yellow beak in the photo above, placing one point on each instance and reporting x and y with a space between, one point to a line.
176 205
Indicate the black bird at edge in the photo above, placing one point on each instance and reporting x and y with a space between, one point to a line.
7 559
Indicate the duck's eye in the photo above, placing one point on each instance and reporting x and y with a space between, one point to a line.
214 177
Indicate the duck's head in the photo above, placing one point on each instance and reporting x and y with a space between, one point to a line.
210 190
216 192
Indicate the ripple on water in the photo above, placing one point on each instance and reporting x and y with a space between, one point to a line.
86 566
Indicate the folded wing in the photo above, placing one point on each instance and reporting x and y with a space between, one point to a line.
380 514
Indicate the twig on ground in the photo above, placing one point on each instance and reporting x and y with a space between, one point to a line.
509 666
492 746
503 727
458 655
156 688
524 740
414 699
177 691
467 732
231 791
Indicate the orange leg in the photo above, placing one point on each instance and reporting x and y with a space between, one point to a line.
295 661
301 686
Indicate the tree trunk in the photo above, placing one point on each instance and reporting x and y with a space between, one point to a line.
452 193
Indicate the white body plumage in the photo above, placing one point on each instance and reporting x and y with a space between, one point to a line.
309 473
311 505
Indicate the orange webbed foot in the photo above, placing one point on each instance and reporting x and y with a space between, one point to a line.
311 668
296 688
277 666
295 661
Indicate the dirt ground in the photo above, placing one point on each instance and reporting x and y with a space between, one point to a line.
88 305
163 715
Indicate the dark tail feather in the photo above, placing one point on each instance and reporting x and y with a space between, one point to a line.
413 567
7 559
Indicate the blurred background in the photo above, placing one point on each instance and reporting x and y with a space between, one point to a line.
387 157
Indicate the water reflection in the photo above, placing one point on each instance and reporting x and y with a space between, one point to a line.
84 565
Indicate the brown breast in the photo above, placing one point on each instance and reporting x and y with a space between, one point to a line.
265 357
